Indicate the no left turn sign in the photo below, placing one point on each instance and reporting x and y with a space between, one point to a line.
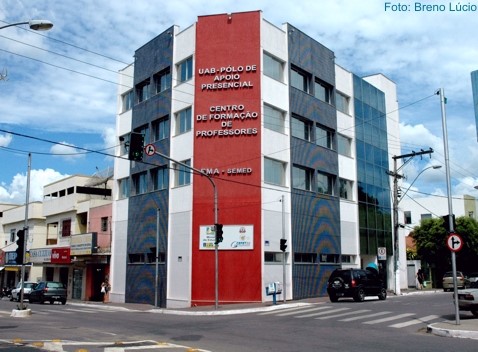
149 149
454 242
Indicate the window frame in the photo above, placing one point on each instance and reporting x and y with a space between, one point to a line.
182 174
344 145
329 137
143 91
278 169
183 121
339 98
274 118
273 67
185 69
300 79
127 100
155 173
345 189
330 183
304 133
160 129
139 183
308 178
162 80
322 87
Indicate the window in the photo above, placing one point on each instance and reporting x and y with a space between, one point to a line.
151 256
273 68
325 183
160 177
324 137
162 80
329 258
408 217
124 143
13 235
144 130
127 99
66 228
302 178
104 224
182 174
425 216
123 188
136 258
143 91
344 145
274 119
183 121
299 79
305 258
273 257
185 70
345 189
139 183
342 102
301 128
274 172
323 91
160 129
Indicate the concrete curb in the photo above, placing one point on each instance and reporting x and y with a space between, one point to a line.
444 332
21 313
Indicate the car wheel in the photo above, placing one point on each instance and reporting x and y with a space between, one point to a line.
333 298
63 302
360 295
52 301
382 295
475 313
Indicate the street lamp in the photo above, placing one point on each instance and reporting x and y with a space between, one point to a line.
37 25
411 184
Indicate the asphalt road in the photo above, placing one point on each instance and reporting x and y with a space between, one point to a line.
397 324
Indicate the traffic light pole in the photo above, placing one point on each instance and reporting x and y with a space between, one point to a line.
26 232
216 246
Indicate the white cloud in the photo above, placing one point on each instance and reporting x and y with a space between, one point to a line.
67 151
5 140
15 192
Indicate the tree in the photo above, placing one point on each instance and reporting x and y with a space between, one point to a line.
430 239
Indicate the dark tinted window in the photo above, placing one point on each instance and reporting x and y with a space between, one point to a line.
344 274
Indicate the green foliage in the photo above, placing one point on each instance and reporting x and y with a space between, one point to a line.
430 238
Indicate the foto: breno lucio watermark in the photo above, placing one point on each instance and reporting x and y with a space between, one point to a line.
451 6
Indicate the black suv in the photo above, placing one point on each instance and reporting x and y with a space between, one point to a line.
355 283
51 291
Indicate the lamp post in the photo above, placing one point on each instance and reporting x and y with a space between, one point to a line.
37 25
411 184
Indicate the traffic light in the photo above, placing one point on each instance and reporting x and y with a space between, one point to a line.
283 244
20 246
219 238
446 222
136 146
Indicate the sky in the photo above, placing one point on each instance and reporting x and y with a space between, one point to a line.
58 92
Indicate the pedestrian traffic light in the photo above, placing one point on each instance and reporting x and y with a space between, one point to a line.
218 228
136 146
283 244
20 246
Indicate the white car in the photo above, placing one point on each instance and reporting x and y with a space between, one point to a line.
16 292
468 299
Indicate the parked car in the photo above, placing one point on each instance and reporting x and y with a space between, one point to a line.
17 291
51 291
355 283
473 277
461 281
468 299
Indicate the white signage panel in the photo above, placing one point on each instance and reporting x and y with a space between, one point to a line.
235 237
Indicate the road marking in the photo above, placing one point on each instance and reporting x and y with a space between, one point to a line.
424 320
82 310
302 311
282 310
322 313
395 317
345 314
366 316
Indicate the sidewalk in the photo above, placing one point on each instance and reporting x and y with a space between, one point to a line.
468 327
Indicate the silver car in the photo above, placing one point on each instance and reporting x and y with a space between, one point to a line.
27 288
461 281
468 299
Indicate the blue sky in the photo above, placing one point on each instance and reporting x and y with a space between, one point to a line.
61 85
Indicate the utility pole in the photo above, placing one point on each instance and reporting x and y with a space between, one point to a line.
396 176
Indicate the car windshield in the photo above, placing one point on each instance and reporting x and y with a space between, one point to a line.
29 284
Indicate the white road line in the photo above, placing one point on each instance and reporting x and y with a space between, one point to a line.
424 320
345 314
395 317
366 316
302 311
81 310
282 310
322 313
